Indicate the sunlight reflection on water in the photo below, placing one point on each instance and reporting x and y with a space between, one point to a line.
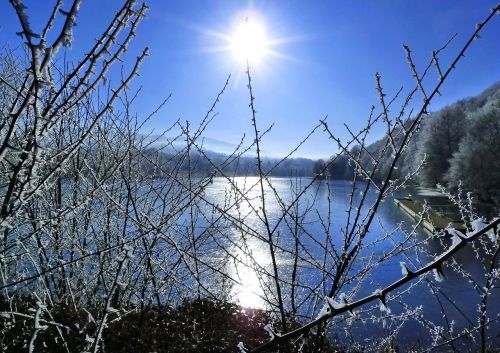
249 292
251 256
251 264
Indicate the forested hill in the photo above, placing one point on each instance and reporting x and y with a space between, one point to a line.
209 162
460 143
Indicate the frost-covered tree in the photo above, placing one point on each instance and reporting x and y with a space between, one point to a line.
440 139
82 226
476 164
344 270
319 167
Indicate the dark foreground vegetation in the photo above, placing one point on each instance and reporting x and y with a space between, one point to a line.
198 326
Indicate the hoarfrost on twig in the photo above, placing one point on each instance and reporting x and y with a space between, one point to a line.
241 347
404 268
438 274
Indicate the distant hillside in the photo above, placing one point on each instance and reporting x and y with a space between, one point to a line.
461 144
208 162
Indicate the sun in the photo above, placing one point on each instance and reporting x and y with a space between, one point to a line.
249 42
247 38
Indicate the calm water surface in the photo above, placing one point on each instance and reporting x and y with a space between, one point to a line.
457 295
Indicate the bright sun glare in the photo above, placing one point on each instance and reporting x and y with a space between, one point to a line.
249 42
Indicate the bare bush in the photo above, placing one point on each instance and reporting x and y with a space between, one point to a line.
100 222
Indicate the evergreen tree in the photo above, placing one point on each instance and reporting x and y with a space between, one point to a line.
441 137
477 162
318 167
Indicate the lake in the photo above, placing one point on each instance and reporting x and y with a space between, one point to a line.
315 231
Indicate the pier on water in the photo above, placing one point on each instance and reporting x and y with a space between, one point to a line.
433 220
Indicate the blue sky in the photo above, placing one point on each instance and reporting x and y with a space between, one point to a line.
329 53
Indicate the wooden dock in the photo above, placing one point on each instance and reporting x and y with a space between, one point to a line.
433 221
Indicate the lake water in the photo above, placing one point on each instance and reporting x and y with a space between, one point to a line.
322 212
